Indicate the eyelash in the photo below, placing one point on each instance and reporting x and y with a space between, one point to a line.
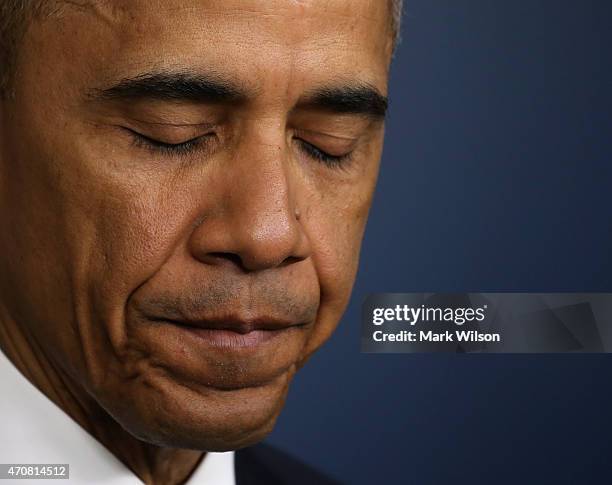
171 149
191 146
321 156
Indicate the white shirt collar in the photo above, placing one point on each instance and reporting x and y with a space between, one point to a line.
35 430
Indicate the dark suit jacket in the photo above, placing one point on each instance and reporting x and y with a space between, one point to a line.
263 464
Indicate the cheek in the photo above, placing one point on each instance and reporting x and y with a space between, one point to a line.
339 217
122 228
336 243
336 255
89 233
134 230
131 232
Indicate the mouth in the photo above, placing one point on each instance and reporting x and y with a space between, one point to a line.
224 351
233 332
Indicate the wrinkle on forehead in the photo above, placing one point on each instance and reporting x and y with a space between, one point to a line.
113 12
108 11
296 33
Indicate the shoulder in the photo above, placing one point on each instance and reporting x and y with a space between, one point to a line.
265 464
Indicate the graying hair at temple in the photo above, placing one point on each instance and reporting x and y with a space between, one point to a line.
396 18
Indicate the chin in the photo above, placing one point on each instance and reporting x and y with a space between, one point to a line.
175 415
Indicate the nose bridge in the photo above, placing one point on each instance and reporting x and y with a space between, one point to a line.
261 205
255 219
262 199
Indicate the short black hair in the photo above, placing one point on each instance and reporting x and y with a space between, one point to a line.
14 18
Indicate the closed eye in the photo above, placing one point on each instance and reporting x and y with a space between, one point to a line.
158 146
322 156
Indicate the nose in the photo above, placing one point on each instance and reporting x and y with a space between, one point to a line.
254 222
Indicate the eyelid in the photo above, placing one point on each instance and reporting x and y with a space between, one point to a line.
333 161
338 138
157 141
154 145
198 126
174 134
333 145
332 150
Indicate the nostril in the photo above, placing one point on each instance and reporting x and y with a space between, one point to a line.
290 260
232 257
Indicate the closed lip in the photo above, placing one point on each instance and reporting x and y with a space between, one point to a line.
235 324
233 333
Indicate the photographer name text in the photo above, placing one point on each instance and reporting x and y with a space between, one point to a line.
431 316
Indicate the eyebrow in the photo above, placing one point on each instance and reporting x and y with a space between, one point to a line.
357 99
174 86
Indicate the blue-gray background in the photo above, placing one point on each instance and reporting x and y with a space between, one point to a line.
497 175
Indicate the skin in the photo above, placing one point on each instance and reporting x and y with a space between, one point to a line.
106 239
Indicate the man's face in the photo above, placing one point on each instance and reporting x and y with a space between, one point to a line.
183 191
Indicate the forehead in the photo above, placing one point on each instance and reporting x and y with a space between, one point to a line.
262 40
